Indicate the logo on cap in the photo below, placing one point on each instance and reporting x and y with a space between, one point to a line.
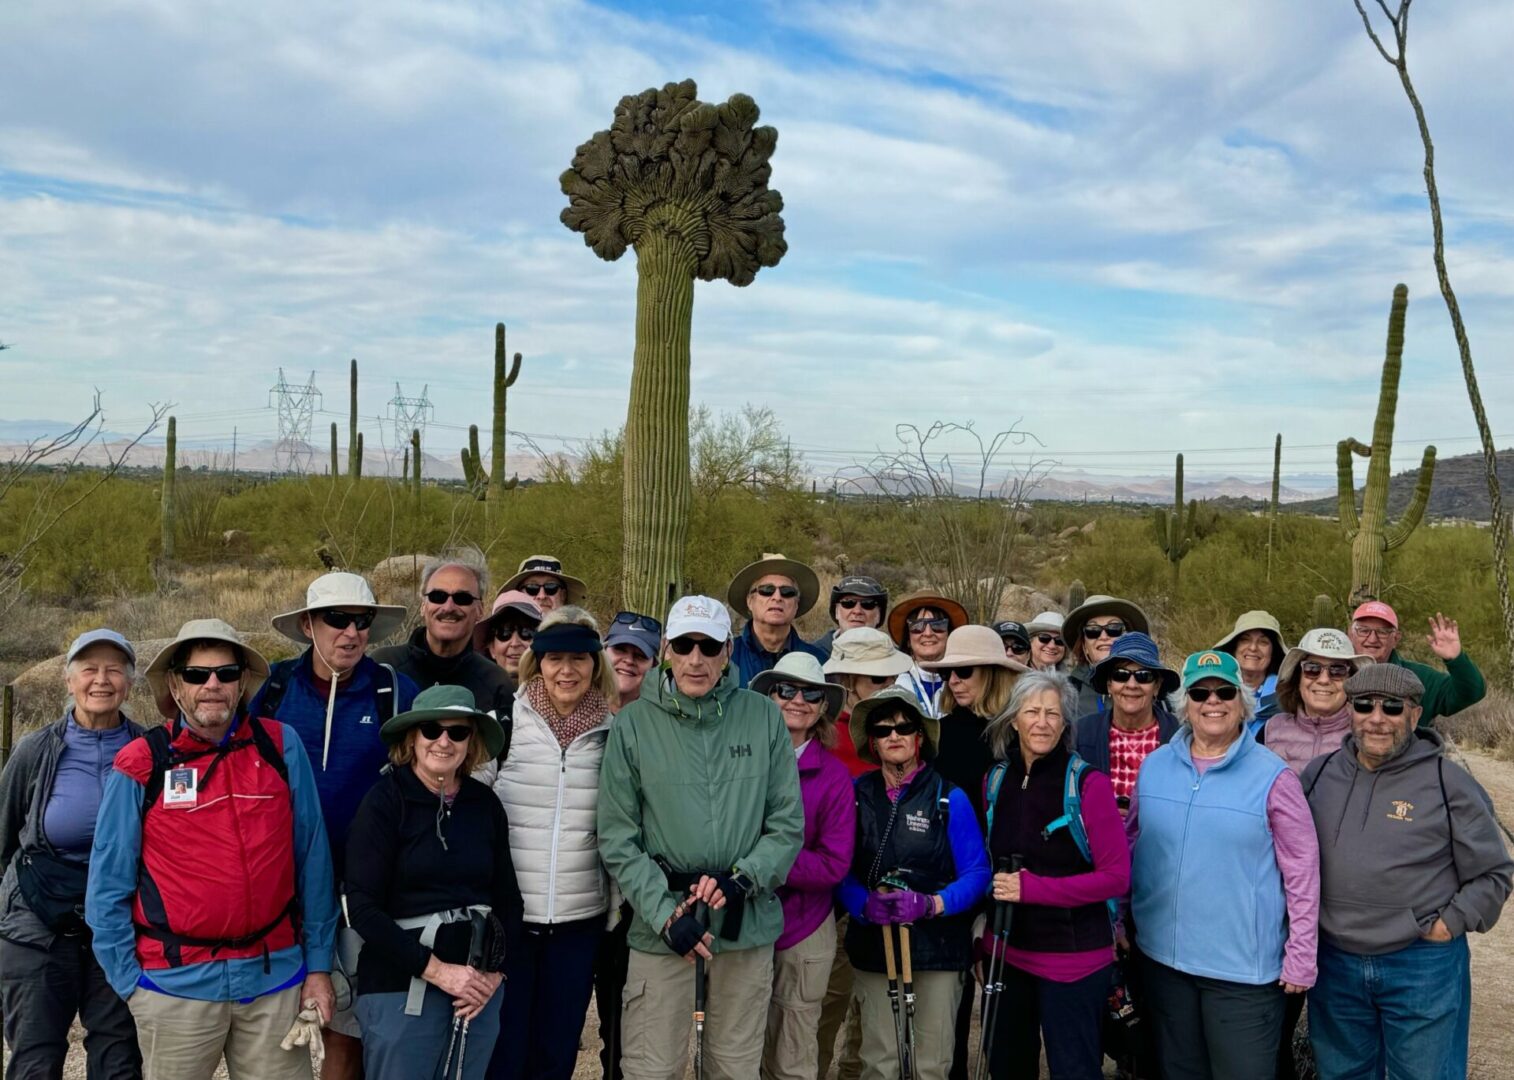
1210 659
542 564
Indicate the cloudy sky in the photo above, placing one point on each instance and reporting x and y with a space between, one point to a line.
1137 226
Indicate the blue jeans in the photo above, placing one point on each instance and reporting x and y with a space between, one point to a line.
548 979
1409 1010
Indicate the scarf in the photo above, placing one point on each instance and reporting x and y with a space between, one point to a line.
587 715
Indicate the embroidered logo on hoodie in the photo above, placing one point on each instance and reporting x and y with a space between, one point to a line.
1401 811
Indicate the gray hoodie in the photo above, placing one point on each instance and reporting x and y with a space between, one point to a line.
1402 845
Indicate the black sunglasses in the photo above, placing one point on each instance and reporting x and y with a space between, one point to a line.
706 646
435 729
1202 694
505 631
1051 639
1142 676
963 673
1391 706
637 622
199 676
919 626
904 727
1314 669
1016 646
788 592
461 598
850 602
812 695
551 588
1114 630
340 620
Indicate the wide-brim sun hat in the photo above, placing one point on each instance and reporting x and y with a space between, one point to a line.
511 601
802 576
207 630
1211 664
905 606
341 589
547 564
1138 648
1257 620
890 699
803 670
974 646
1046 622
1325 642
1126 611
445 704
865 650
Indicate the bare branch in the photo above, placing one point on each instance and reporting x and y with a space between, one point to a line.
1371 33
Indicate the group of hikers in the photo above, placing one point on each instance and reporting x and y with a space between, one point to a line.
427 859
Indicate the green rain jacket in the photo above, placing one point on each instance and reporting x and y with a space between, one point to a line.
707 783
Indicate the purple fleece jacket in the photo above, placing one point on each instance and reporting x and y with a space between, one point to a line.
830 830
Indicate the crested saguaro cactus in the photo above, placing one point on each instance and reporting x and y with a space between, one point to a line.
1174 528
166 506
354 455
1277 470
1370 535
502 384
686 184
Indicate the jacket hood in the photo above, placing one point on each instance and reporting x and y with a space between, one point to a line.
661 693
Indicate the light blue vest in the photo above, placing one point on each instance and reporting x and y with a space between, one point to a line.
1207 895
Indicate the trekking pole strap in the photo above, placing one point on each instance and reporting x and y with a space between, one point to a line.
428 925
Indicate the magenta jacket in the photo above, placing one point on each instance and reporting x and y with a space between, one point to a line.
830 830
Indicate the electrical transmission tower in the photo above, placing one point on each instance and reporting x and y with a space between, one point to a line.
408 414
297 406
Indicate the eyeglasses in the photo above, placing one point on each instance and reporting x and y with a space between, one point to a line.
551 588
1092 632
788 592
1313 669
962 673
199 676
866 604
504 632
812 695
904 727
435 729
1372 631
920 626
878 680
1142 677
637 622
1391 706
461 598
340 620
706 646
1051 639
1201 694
1016 646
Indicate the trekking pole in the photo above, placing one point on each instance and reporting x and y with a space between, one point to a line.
909 1001
701 913
891 969
993 988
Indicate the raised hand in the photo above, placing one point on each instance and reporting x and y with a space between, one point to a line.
1444 638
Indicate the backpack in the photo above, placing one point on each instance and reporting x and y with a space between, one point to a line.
1072 811
164 757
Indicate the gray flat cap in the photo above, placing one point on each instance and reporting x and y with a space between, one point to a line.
1390 680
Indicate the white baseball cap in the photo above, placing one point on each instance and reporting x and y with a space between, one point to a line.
699 615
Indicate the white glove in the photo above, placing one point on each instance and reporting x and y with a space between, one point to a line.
307 1032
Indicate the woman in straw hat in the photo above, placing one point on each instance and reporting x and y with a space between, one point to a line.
804 951
919 859
863 661
431 888
1256 642
1090 631
919 624
1048 649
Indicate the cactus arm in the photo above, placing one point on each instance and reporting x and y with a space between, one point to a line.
1345 483
514 371
1416 511
1163 529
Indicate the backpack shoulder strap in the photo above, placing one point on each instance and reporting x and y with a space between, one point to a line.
262 740
272 694
388 696
160 742
1072 804
991 793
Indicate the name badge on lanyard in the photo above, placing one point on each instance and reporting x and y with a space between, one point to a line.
181 788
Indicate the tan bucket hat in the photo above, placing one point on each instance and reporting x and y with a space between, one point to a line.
204 630
340 589
889 699
956 614
773 563
864 650
804 669
1129 613
547 564
1329 643
1257 620
1047 621
974 646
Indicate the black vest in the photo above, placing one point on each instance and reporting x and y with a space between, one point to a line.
908 839
1022 811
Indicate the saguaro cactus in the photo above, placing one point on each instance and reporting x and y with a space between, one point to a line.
1174 528
473 469
1077 592
335 464
415 460
354 465
1277 469
686 184
502 384
1322 613
166 505
1370 535
357 459
405 468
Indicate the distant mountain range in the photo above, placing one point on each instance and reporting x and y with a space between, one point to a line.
1459 489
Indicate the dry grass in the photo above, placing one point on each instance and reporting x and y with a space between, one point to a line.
1487 726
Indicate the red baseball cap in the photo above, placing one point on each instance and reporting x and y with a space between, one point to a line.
1376 609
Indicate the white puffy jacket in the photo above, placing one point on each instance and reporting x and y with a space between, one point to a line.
551 797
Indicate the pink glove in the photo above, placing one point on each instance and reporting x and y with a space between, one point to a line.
908 907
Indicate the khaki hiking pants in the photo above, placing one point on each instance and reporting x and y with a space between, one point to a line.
937 996
183 1039
800 975
839 1014
657 1017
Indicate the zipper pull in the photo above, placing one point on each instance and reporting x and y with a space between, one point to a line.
1024 784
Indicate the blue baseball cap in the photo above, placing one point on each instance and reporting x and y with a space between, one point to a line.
96 637
642 631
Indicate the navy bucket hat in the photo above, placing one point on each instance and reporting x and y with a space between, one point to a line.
1138 648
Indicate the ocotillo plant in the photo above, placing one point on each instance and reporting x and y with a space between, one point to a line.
415 460
1277 468
1076 594
686 184
357 459
335 465
502 384
1370 535
354 466
166 505
1174 528
473 469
